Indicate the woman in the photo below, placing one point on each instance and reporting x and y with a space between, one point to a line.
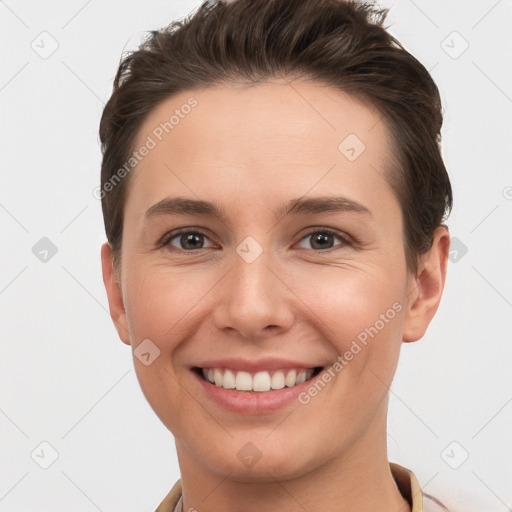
274 196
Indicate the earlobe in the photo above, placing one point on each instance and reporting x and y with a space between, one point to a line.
426 288
114 294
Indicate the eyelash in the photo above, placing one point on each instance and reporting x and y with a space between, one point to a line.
187 231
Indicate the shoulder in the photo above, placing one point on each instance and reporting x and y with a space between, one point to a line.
410 488
170 501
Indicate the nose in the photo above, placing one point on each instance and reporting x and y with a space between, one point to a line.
256 301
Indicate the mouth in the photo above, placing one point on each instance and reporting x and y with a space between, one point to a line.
256 382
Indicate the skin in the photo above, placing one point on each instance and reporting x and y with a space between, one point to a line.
251 150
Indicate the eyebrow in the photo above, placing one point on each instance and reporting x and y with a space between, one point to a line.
315 206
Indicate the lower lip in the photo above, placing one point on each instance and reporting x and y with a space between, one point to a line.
252 402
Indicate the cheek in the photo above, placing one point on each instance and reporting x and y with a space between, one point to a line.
345 305
348 307
158 303
160 307
353 304
360 315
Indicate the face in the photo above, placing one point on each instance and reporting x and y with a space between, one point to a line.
293 261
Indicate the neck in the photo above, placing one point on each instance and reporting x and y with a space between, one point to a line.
358 479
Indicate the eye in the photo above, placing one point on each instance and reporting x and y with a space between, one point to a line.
193 240
187 241
323 239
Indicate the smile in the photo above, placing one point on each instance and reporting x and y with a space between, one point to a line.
261 381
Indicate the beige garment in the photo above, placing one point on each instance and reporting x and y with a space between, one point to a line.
405 479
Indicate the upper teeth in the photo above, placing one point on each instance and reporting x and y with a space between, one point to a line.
261 381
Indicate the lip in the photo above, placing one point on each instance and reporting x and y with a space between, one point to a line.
261 365
252 402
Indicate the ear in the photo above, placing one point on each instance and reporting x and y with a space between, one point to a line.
114 294
426 288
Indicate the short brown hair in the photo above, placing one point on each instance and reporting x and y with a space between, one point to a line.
341 43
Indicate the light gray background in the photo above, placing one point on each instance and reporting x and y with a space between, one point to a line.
67 379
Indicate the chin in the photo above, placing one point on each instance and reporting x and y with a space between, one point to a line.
260 460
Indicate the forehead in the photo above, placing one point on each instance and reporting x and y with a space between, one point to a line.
264 137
